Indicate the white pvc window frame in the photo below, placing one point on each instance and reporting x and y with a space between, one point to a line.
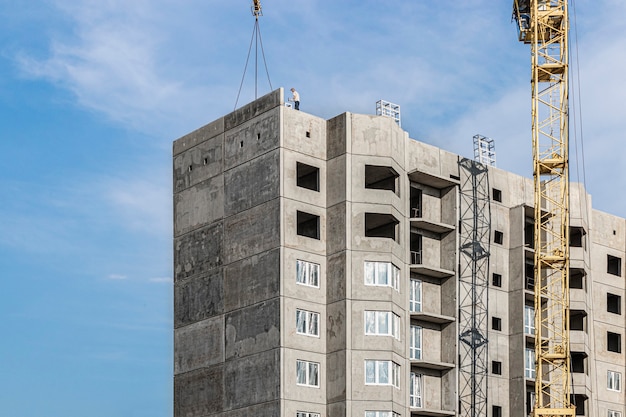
529 320
307 373
379 372
415 347
415 296
307 273
416 390
382 323
307 323
382 274
614 381
529 363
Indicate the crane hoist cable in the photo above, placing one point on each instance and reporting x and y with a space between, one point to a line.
257 11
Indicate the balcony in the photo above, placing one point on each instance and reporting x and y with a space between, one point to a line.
431 317
430 412
419 267
434 365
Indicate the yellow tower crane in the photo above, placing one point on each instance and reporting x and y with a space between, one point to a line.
544 25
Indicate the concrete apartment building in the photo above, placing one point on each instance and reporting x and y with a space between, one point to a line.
317 275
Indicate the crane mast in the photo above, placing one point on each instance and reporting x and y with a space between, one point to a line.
544 25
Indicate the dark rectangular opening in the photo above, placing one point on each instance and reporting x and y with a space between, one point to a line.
614 265
529 274
497 195
530 401
579 401
496 411
577 278
496 280
496 368
308 225
498 237
529 233
613 303
577 320
578 362
307 176
416 248
496 323
381 178
614 342
381 225
576 236
416 202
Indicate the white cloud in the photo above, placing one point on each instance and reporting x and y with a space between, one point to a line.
117 277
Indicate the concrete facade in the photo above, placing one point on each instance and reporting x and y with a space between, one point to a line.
316 274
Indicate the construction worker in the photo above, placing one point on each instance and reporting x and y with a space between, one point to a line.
295 99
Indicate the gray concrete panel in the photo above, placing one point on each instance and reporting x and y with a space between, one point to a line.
337 279
252 280
199 345
336 222
198 136
198 163
336 326
198 205
252 139
199 393
252 183
336 136
199 298
336 379
252 231
270 409
252 380
253 329
198 251
254 109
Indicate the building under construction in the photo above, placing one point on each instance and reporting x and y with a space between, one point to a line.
328 268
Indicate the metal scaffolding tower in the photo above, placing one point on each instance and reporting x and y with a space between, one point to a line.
475 224
485 150
385 108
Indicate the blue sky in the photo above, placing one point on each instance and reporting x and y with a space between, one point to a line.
92 93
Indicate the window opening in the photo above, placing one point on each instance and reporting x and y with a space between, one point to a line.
614 342
496 280
307 176
381 178
496 367
498 237
496 323
578 362
308 225
613 303
416 248
529 363
614 265
416 202
381 225
497 195
382 323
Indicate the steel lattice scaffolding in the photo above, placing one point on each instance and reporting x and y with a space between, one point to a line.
385 108
475 224
485 150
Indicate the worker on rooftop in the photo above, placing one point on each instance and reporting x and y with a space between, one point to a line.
295 99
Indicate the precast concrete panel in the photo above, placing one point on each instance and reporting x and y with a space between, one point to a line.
252 139
199 298
199 205
269 409
198 136
199 393
252 380
269 102
198 163
253 329
304 133
199 345
337 131
198 251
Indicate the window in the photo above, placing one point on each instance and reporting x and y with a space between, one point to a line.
496 323
307 373
307 176
497 195
416 248
381 414
307 323
307 273
614 265
382 373
415 296
496 411
614 413
416 389
614 381
381 225
578 320
529 320
382 323
530 402
383 274
498 237
578 362
307 414
613 303
496 280
576 237
614 342
415 349
416 202
308 225
577 278
496 368
381 178
529 363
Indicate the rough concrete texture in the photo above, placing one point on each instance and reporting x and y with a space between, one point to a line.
198 164
198 251
199 298
199 205
252 139
253 329
199 393
199 345
252 380
252 280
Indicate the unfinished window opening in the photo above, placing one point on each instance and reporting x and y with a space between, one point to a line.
307 176
381 225
614 265
577 278
529 233
416 202
497 195
579 401
530 402
308 134
498 237
578 320
308 225
576 237
496 280
496 411
496 368
416 248
529 274
381 178
613 303
578 362
496 323
614 342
